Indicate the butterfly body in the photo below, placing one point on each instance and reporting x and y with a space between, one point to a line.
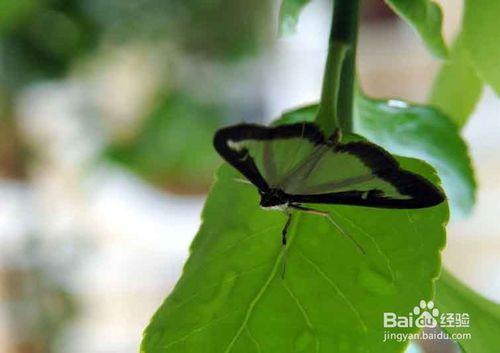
274 198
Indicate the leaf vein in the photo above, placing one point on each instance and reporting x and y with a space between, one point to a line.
230 279
252 338
197 330
217 255
304 314
254 302
381 252
336 288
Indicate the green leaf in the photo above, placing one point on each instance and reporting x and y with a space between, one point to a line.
426 17
457 87
231 297
289 15
481 34
452 296
421 132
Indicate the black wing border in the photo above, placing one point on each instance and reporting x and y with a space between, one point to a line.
420 191
242 161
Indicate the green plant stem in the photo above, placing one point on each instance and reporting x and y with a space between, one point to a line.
336 103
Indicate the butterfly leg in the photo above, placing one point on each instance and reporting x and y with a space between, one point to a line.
284 232
330 219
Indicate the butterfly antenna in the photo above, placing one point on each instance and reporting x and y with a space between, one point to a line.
341 230
330 219
283 244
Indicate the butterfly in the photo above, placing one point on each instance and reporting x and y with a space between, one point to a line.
296 164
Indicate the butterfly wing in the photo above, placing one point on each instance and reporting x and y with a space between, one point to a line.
299 160
363 174
266 155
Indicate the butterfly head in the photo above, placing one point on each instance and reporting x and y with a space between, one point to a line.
273 198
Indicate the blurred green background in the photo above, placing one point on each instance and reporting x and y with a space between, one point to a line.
154 116
46 40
